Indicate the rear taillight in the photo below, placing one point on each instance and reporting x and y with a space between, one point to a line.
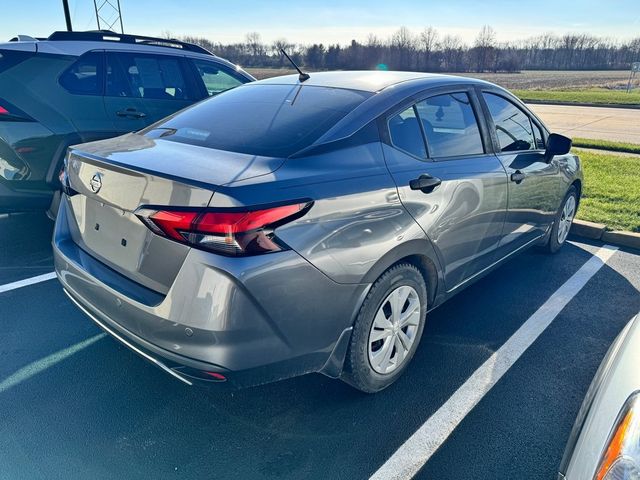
231 232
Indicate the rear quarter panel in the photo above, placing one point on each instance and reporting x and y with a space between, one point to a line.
356 219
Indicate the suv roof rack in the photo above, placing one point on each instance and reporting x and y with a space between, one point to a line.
109 36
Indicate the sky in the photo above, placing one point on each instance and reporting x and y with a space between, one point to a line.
332 21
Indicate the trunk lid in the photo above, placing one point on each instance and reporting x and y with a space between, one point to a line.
115 177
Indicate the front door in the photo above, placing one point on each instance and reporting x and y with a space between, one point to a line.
454 189
534 183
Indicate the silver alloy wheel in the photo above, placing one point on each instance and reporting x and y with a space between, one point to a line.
566 218
394 330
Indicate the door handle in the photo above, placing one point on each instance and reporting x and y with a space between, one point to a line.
425 183
518 177
131 112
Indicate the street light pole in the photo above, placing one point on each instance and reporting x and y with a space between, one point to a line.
67 15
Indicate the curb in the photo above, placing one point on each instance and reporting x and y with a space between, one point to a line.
598 231
632 106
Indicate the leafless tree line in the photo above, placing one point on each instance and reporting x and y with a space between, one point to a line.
429 50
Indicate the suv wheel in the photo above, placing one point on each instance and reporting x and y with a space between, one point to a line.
387 330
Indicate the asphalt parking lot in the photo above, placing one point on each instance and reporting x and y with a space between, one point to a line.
76 404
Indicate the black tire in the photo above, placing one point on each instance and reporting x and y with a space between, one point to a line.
358 371
553 245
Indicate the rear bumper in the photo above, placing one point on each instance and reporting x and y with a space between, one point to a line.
253 320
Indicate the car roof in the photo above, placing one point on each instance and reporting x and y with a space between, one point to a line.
368 80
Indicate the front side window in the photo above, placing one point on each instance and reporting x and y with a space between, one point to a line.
450 126
260 119
405 133
156 77
513 126
217 78
85 76
537 133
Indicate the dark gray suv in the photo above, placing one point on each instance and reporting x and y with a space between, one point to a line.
300 225
76 87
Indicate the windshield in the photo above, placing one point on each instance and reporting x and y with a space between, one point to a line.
268 120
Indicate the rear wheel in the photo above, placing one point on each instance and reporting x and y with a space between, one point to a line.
563 221
387 330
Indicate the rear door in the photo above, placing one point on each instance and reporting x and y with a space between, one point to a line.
534 183
449 182
143 88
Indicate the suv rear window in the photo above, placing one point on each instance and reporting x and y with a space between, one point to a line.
269 120
84 77
155 77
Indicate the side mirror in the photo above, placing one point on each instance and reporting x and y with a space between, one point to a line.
557 145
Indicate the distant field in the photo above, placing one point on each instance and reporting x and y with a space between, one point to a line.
527 80
261 73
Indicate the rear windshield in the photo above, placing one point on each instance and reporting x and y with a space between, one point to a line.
268 120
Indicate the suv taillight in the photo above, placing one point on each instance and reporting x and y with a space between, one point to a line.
232 232
10 113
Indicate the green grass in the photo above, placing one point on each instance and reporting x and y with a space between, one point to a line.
611 192
607 145
584 95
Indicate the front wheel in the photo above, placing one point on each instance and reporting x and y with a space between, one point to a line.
387 330
563 221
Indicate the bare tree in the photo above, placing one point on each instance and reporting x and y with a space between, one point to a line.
483 48
254 44
403 43
429 43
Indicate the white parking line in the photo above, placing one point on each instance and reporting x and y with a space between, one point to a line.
34 368
27 281
417 450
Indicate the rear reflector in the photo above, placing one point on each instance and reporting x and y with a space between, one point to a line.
229 232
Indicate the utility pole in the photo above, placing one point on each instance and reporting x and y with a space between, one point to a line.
67 15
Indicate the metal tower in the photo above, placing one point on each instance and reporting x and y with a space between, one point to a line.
108 15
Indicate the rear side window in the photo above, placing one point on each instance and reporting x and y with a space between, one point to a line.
217 78
257 119
84 77
405 134
513 126
450 125
156 77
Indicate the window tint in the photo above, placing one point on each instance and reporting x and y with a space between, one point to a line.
155 77
84 76
405 133
450 125
270 120
513 126
217 78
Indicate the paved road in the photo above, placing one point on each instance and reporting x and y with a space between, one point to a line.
74 404
616 124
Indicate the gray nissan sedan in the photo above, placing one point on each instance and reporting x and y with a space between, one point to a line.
298 225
